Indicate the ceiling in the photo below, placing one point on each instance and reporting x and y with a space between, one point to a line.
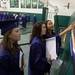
63 3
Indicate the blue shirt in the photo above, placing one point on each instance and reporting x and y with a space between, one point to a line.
9 64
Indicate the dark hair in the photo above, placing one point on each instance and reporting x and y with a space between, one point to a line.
36 31
47 21
48 31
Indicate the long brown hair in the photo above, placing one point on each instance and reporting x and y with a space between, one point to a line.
36 31
49 31
8 45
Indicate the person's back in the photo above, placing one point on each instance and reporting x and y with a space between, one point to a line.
32 71
37 58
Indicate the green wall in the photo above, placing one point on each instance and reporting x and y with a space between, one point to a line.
61 21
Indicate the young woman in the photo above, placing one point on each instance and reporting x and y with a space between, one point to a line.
65 56
50 33
9 48
38 64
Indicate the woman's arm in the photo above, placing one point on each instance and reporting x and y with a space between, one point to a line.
69 28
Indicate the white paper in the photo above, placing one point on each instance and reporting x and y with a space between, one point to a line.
51 48
20 58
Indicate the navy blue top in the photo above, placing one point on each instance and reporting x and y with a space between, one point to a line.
9 64
38 64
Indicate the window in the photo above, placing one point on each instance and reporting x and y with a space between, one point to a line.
14 3
40 4
34 3
22 3
28 3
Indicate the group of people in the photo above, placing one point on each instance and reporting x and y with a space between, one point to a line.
22 19
10 51
38 63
